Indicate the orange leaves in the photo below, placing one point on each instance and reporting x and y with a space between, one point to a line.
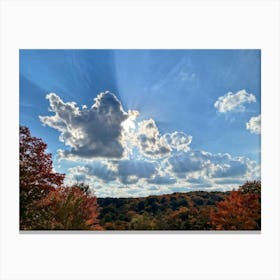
239 211
70 209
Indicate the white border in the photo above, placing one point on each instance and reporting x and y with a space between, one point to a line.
139 24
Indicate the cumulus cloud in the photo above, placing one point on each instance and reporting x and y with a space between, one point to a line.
91 133
254 125
234 101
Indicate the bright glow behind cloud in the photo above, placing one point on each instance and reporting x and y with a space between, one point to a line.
94 132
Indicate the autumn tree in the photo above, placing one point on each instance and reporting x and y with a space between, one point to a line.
68 208
36 166
37 177
239 211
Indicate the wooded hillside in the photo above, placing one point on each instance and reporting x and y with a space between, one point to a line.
236 210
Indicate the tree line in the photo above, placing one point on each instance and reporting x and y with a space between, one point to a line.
198 210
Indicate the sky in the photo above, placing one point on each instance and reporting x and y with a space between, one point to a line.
135 123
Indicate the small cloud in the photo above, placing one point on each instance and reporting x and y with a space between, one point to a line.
234 101
254 125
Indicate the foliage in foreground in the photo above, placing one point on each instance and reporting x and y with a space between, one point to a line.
44 203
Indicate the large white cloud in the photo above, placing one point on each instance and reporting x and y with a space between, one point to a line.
234 101
93 132
254 125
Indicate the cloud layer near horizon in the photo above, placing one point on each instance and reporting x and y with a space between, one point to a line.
121 156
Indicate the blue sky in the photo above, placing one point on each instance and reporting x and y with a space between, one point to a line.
146 121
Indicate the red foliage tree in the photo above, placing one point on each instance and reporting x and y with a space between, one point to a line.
37 177
36 167
239 211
